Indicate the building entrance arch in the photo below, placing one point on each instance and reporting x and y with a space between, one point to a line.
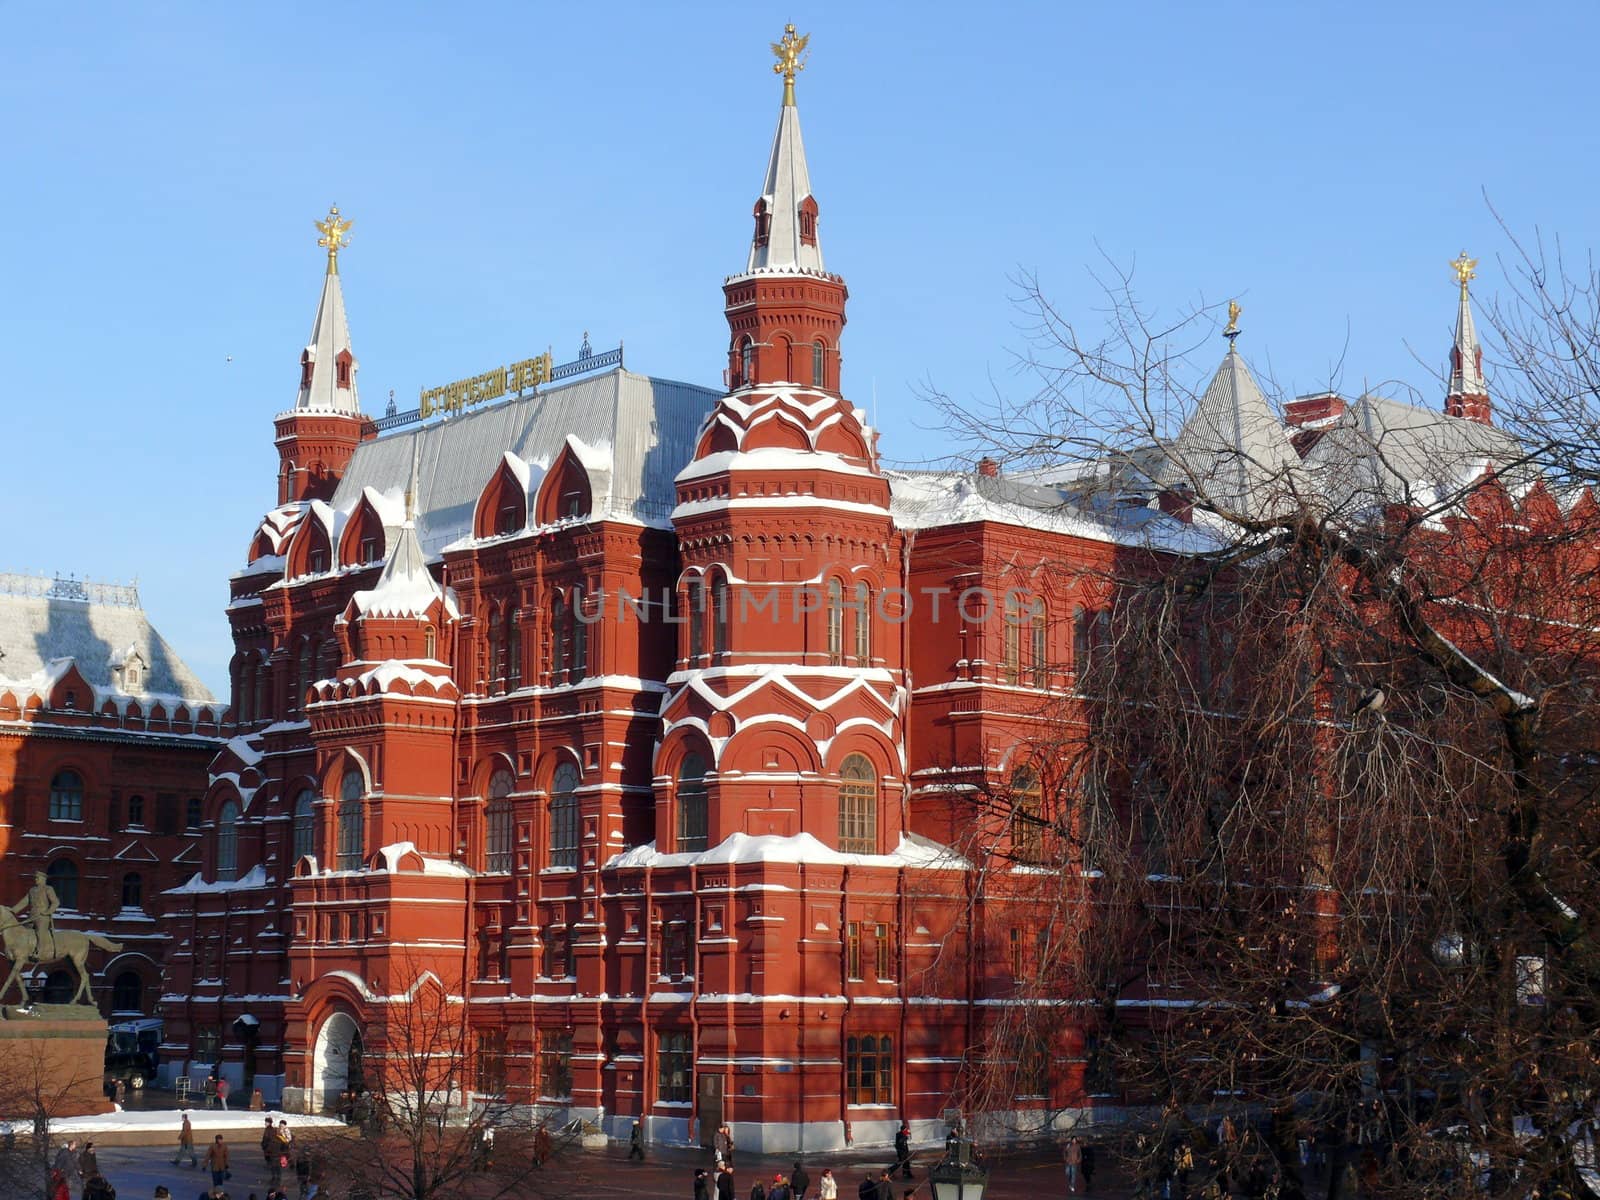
336 1061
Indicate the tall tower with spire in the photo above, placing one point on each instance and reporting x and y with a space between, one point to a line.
316 438
788 549
785 313
1468 396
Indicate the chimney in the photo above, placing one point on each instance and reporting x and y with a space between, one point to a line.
988 467
1319 408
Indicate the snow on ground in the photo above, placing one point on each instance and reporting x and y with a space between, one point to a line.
203 1121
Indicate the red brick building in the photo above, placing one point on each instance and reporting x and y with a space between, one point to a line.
105 738
641 717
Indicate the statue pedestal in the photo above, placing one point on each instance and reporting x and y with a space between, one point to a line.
53 1055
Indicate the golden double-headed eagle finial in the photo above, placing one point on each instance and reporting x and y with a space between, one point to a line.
1231 329
1464 269
789 63
335 236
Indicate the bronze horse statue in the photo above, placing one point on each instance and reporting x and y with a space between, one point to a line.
21 946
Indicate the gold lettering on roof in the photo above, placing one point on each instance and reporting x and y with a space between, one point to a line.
491 385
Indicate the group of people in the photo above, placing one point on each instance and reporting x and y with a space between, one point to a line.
278 1154
796 1185
72 1164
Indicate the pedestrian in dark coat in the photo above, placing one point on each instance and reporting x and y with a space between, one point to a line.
636 1142
88 1166
725 1183
885 1187
1087 1166
799 1181
702 1184
867 1189
902 1150
758 1192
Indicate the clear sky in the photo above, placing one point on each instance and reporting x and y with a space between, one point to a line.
520 173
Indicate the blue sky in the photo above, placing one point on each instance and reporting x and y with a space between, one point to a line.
519 173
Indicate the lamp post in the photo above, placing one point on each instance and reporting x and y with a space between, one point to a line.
957 1177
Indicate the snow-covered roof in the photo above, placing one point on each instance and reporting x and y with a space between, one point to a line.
644 428
1382 451
406 588
913 850
43 631
933 499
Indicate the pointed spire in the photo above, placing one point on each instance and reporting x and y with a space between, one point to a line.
328 365
786 214
1233 454
1468 395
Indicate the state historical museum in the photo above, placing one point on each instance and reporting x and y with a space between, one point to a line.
598 702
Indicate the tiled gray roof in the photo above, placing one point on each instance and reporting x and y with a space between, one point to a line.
647 428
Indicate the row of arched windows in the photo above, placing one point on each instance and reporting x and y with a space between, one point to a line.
792 359
858 805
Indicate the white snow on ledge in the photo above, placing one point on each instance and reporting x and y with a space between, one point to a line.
913 851
253 878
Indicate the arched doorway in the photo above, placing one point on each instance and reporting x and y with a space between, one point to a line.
336 1062
127 994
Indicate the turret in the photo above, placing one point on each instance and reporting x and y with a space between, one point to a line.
1468 395
785 313
317 437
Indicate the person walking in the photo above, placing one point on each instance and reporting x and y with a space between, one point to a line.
799 1181
885 1186
1072 1161
867 1189
725 1182
88 1165
222 1093
702 1185
827 1186
758 1191
302 1172
1086 1168
902 1150
217 1161
59 1188
541 1146
67 1159
186 1143
778 1189
636 1142
721 1145
269 1142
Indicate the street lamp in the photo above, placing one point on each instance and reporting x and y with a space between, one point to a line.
957 1177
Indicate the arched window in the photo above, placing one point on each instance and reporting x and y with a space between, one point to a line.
1041 652
835 623
564 817
560 631
136 812
228 841
1011 633
819 364
858 806
430 643
579 666
697 620
127 993
66 796
263 678
719 616
747 362
1081 643
246 692
692 823
863 607
497 654
1027 828
62 876
305 824
513 651
497 822
133 890
351 821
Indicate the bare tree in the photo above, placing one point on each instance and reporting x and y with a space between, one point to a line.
36 1087
435 1123
1311 836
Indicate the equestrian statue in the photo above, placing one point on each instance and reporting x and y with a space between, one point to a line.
43 945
